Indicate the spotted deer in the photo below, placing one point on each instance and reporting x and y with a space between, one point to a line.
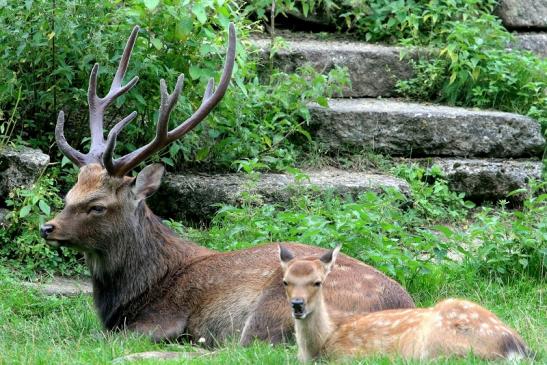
452 327
147 279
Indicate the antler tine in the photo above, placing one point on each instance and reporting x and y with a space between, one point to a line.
73 155
208 90
97 105
108 161
163 137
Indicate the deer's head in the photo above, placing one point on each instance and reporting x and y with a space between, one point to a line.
105 202
303 279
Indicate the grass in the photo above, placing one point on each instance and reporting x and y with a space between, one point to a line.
37 329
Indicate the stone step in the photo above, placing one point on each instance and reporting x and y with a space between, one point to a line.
406 129
486 179
519 14
62 286
535 42
374 69
196 197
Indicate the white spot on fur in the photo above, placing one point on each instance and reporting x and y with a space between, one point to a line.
474 315
451 315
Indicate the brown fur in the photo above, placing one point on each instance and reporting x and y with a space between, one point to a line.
450 328
147 279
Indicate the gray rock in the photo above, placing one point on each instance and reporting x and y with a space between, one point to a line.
62 286
484 179
20 167
196 197
162 355
4 218
535 42
374 69
523 13
413 130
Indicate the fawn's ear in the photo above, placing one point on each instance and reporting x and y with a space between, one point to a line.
148 181
284 256
328 259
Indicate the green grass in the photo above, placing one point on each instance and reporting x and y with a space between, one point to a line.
37 329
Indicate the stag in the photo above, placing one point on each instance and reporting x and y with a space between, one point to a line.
147 279
451 328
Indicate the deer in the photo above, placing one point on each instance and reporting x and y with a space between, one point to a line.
148 280
452 327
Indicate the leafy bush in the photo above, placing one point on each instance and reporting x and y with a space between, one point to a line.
476 70
513 243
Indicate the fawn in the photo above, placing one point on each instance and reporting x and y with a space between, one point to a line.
451 328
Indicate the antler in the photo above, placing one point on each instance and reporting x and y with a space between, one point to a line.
102 151
97 107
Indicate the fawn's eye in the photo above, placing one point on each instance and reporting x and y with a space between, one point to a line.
317 283
285 283
96 209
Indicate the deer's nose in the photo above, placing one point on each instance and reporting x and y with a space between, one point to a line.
46 230
297 304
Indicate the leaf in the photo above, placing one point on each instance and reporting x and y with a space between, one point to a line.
157 43
195 72
168 161
24 211
151 4
323 101
199 11
202 154
183 29
44 207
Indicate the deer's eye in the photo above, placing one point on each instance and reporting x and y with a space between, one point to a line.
96 209
285 283
317 283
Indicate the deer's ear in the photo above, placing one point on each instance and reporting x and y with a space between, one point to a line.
148 181
328 259
285 256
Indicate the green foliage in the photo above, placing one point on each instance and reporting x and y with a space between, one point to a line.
512 243
20 243
476 70
413 21
432 199
51 47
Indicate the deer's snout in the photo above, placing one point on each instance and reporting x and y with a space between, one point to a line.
298 308
46 229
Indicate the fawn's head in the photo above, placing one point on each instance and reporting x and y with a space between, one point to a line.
105 203
303 279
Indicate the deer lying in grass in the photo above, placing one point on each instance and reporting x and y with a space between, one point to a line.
451 328
147 279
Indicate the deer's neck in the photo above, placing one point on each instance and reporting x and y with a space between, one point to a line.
313 331
144 258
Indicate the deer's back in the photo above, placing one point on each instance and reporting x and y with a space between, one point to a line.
451 328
